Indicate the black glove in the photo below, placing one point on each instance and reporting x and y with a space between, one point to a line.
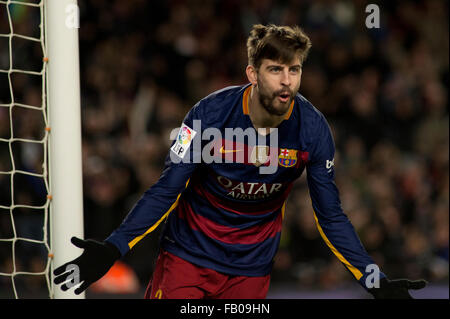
396 289
94 263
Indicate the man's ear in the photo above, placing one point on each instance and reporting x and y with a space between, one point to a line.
252 74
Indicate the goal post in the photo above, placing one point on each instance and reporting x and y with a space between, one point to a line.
63 103
41 195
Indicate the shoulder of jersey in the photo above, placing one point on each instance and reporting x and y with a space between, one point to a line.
312 120
217 106
310 114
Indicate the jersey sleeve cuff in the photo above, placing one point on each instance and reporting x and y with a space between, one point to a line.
120 244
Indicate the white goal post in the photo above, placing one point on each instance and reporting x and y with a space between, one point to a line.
63 102
59 141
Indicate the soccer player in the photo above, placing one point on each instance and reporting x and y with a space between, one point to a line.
223 216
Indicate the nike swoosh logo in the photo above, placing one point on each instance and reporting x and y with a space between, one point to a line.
223 151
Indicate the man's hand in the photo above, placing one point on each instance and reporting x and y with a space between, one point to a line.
94 262
396 289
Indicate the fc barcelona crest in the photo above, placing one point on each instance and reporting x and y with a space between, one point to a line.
287 157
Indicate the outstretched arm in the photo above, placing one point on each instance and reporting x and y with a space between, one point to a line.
152 208
337 230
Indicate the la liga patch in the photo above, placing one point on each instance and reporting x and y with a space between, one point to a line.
183 140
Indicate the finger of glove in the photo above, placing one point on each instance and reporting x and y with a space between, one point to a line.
82 287
416 284
399 284
64 287
66 267
60 270
80 243
408 284
71 272
62 278
69 284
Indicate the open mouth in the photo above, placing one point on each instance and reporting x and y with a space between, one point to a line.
284 97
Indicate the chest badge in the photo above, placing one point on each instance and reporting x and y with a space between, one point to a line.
287 157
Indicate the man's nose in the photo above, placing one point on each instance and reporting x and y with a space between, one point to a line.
285 79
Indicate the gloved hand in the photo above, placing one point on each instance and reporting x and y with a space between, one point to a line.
396 289
94 263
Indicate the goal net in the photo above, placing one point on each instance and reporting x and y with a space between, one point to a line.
29 213
24 200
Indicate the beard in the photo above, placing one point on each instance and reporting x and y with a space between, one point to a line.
268 100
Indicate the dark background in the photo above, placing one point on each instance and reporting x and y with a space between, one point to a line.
145 63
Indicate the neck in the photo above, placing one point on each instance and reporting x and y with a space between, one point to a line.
262 120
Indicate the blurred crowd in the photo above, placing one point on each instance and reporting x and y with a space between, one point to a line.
144 64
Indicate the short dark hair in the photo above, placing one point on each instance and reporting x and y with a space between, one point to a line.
278 43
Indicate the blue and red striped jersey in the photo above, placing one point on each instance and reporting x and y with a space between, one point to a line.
226 214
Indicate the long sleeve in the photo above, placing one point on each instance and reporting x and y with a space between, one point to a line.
333 225
162 198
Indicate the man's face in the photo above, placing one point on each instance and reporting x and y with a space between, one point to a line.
277 84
